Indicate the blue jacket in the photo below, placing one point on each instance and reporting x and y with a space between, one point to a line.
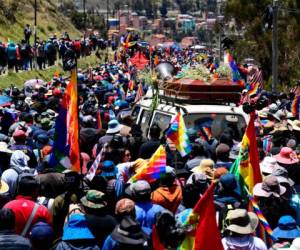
11 51
110 243
146 212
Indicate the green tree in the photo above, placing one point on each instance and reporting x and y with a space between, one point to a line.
252 40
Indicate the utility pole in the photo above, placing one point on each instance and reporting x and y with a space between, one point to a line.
107 27
220 23
35 33
275 47
84 16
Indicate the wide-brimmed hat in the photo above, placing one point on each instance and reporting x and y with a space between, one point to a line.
240 221
268 164
270 186
108 169
286 156
282 175
4 148
263 113
94 199
76 228
113 127
287 228
279 128
206 167
295 124
3 187
129 232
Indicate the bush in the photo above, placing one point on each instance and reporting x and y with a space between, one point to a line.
50 28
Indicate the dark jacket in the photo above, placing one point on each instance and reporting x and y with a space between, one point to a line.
11 241
101 226
80 245
51 183
148 148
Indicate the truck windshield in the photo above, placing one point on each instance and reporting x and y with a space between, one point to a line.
216 123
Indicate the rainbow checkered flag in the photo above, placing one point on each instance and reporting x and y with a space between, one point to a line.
155 169
178 135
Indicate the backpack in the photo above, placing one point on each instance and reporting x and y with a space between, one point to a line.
222 211
22 173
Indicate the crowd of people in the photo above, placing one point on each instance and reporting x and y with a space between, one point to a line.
21 55
46 208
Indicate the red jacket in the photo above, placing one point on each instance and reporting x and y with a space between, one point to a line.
22 207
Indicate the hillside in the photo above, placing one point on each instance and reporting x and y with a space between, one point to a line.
15 14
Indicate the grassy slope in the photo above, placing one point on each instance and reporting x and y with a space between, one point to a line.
18 79
49 21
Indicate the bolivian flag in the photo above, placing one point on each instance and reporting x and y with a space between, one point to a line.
246 166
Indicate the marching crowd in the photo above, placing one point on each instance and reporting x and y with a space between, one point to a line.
43 208
20 55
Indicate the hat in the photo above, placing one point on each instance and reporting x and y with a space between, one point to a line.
41 231
113 127
219 172
206 167
295 124
279 127
4 148
197 178
228 181
94 199
270 186
240 221
51 113
286 156
3 187
140 188
268 164
42 140
19 135
263 113
287 228
129 232
46 122
170 172
124 206
108 169
76 228
291 143
282 175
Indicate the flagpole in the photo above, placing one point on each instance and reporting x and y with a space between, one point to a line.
80 164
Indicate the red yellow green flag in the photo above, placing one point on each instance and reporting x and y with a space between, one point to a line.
246 166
